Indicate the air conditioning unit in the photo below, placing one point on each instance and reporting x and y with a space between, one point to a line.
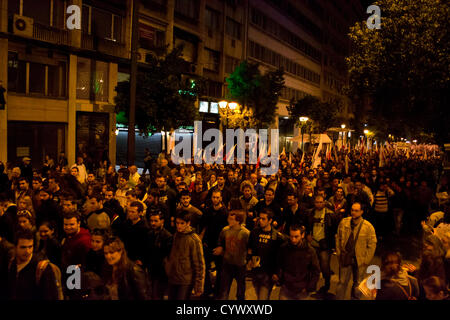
23 26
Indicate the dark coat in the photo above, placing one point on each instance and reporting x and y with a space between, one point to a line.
134 238
23 286
6 257
158 248
133 285
298 267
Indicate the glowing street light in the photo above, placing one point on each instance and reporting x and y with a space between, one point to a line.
303 120
366 132
229 106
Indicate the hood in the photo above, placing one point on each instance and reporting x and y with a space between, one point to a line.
401 278
189 230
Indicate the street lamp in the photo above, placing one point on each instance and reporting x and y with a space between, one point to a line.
343 131
228 106
303 120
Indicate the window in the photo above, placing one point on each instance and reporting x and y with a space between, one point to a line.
13 7
85 18
233 28
37 74
38 10
56 76
212 19
268 56
230 64
92 80
101 23
57 80
149 37
211 107
187 8
158 5
212 62
17 73
204 106
83 78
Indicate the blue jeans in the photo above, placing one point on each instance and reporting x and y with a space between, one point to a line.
344 278
230 272
263 284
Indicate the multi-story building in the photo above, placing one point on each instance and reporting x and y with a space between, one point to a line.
60 83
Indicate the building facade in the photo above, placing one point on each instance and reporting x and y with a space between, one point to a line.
60 83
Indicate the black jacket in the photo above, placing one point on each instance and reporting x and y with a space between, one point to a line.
134 238
159 244
133 285
23 286
298 267
266 245
6 256
95 261
8 223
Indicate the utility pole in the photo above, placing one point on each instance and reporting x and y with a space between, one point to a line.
131 145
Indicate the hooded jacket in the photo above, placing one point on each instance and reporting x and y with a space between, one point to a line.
186 264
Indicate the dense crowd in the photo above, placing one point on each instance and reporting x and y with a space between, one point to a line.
179 232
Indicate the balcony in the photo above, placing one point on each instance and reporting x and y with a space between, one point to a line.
50 34
107 46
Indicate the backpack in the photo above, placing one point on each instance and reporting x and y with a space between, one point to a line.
42 265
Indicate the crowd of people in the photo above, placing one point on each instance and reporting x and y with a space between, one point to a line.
186 232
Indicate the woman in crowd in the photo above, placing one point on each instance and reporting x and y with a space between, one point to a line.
49 247
396 284
124 280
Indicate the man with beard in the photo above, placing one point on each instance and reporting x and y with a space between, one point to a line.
48 210
25 280
185 205
221 186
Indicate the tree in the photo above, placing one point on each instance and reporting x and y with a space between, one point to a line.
323 114
256 92
403 69
165 98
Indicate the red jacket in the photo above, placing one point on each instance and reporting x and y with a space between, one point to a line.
75 249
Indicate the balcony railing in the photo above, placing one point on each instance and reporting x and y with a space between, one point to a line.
107 46
50 34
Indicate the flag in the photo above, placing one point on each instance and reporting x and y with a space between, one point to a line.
290 157
316 158
328 152
381 157
228 155
346 163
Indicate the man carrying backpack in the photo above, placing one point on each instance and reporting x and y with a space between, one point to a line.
29 278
